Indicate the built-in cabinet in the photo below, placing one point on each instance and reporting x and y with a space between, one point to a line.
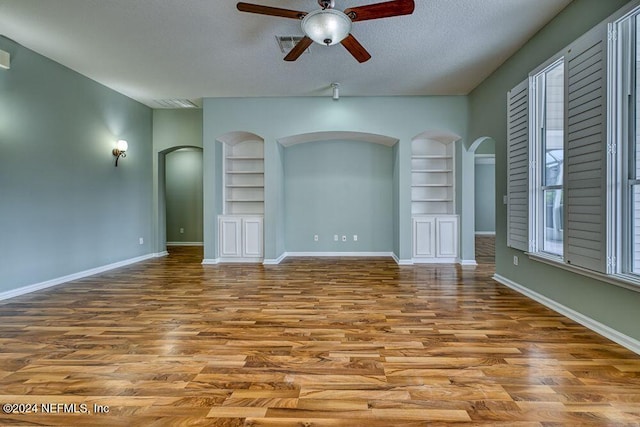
240 228
435 223
241 238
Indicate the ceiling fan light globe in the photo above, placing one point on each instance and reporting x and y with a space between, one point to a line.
327 27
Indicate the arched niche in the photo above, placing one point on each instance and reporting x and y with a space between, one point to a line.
304 138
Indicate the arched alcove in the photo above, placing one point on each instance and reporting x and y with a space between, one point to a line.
435 197
339 183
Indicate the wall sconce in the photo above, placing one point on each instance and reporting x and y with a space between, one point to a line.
336 91
120 150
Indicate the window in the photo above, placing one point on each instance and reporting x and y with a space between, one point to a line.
573 153
626 117
547 150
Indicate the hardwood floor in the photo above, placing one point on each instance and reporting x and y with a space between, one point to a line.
306 343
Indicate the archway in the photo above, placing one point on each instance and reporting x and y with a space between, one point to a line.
162 198
484 198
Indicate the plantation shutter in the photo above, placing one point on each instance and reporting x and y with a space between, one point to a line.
585 199
518 167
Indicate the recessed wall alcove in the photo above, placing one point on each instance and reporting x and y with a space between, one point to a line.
339 185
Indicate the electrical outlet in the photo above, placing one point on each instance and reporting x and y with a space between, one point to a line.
344 238
515 260
181 230
315 237
335 237
355 237
141 240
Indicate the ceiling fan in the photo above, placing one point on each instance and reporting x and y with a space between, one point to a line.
329 26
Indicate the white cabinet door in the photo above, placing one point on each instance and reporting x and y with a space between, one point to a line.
447 237
230 237
424 237
252 237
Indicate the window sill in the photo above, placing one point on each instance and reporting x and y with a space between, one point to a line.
623 280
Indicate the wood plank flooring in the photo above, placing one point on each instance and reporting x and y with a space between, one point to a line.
339 342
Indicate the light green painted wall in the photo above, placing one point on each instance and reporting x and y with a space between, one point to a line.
172 129
183 179
64 207
611 305
402 118
338 187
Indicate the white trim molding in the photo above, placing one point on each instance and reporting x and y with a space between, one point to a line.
586 321
486 233
211 261
340 254
185 244
275 261
75 276
468 262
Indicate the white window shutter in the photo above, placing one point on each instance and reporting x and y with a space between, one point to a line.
518 167
585 178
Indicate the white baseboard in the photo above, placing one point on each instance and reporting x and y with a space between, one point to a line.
485 233
600 328
401 261
468 262
75 276
185 244
339 254
329 255
275 261
211 261
160 254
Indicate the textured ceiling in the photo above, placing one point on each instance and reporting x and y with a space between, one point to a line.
160 49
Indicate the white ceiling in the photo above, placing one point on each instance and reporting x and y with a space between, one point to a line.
159 49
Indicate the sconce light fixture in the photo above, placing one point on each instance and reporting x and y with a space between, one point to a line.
336 91
120 150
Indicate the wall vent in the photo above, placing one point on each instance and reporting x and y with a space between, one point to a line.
174 103
286 43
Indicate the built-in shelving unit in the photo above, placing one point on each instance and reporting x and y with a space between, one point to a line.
244 178
435 224
432 177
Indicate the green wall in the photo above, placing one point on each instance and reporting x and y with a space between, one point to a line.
338 187
613 306
183 178
64 207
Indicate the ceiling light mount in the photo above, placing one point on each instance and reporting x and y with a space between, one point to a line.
336 91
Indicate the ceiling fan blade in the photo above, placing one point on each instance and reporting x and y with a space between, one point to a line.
356 49
380 10
298 49
268 10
